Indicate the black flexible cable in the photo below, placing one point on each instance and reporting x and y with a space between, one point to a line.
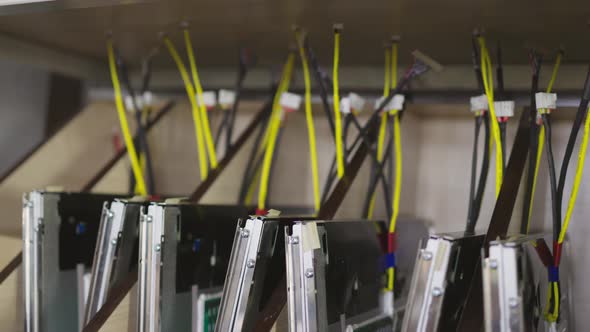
244 63
502 126
379 174
319 77
552 176
485 166
533 142
470 220
580 115
223 127
374 182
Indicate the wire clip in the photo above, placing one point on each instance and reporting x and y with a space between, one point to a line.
504 109
226 98
396 103
357 103
290 102
145 100
209 99
545 102
345 105
479 103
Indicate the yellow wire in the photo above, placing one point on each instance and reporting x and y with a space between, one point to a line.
538 162
553 315
488 81
541 141
190 91
393 70
275 122
132 153
554 73
201 104
310 127
336 97
577 180
398 172
382 128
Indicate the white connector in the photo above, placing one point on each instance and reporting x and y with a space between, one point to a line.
290 102
226 98
396 103
504 109
357 103
209 99
545 101
479 103
345 105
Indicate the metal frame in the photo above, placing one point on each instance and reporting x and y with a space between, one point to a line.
254 243
150 247
56 259
436 270
305 265
32 236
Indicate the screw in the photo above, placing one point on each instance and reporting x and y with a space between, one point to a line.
158 247
309 273
294 240
493 264
148 218
250 263
426 255
436 292
513 302
245 233
114 241
110 214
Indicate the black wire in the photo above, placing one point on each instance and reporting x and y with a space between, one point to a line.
470 220
143 144
320 78
242 72
502 126
374 182
552 176
246 178
533 142
224 124
485 166
580 114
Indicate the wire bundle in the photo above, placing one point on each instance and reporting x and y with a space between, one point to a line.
201 122
132 153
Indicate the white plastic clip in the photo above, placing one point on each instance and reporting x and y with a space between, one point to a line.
357 103
397 102
290 102
130 106
148 99
226 98
545 102
479 103
345 107
504 109
209 99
